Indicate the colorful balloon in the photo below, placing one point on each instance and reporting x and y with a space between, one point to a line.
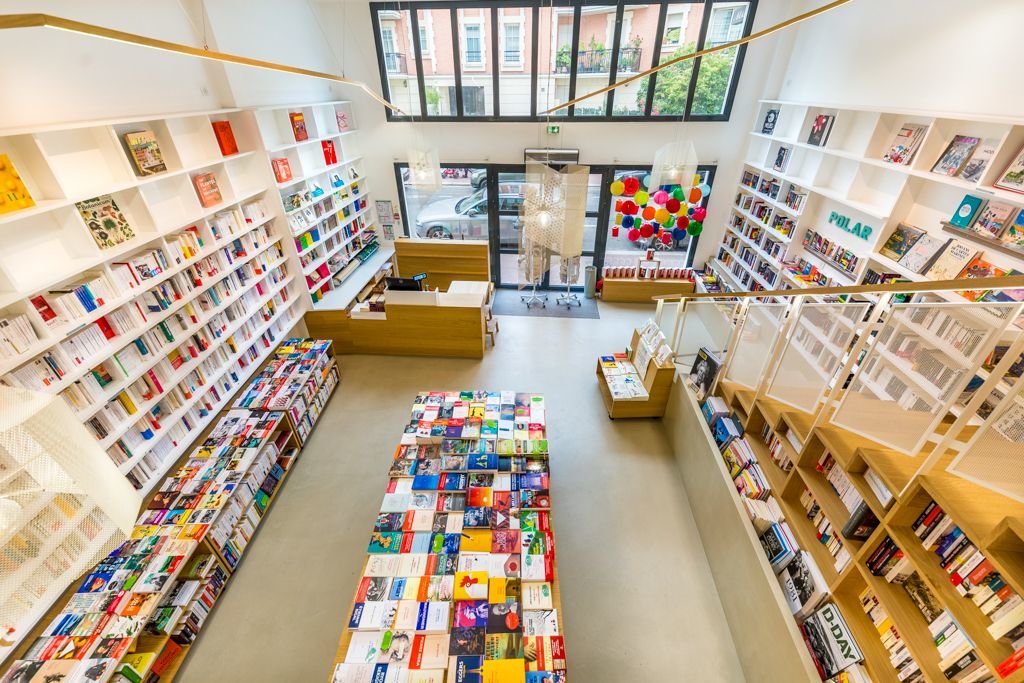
672 205
618 219
629 208
661 215
694 229
647 181
618 205
627 221
618 187
696 180
682 222
695 195
633 235
689 211
666 239
648 213
660 197
705 189
678 234
630 185
700 213
678 194
646 230
642 197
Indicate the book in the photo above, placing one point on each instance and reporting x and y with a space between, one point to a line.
771 117
994 218
924 252
781 159
225 137
905 144
956 155
1012 178
282 169
330 152
207 189
803 585
1013 235
829 639
107 224
14 195
983 153
703 372
953 259
900 241
979 268
821 127
342 118
298 121
145 151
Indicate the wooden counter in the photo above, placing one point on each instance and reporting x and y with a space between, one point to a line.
444 261
633 290
448 324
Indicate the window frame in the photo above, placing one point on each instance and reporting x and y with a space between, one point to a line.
530 61
518 22
465 24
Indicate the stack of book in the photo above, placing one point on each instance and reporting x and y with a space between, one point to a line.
16 336
130 587
906 667
460 580
825 532
862 521
889 562
624 382
781 455
298 365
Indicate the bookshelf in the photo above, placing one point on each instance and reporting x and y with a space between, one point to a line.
259 448
637 384
322 189
790 188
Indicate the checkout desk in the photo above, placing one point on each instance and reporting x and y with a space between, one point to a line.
434 323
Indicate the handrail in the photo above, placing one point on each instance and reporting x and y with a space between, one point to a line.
981 283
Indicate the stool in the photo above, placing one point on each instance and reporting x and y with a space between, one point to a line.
492 329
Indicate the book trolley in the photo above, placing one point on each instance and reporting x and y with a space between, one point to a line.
140 609
460 583
637 384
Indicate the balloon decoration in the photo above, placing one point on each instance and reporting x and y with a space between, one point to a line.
661 214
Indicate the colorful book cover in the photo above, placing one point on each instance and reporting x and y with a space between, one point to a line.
904 145
959 151
385 542
1013 236
107 224
282 169
1013 177
14 195
342 118
298 122
951 261
994 218
771 117
821 126
145 151
225 138
967 212
207 189
979 268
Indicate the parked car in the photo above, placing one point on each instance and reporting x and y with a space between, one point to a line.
478 178
466 217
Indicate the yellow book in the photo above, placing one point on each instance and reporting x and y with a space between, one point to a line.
14 196
471 585
127 402
504 671
504 590
475 541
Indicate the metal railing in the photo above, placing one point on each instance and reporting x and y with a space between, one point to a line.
394 62
600 61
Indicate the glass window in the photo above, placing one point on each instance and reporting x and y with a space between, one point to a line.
636 53
439 64
424 43
399 60
672 85
458 210
516 61
477 67
727 23
473 54
715 76
513 49
554 61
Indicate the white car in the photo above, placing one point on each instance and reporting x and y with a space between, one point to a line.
466 217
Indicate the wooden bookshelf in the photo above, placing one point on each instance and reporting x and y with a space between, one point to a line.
636 290
657 380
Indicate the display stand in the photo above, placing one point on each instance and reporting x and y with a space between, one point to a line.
657 380
534 298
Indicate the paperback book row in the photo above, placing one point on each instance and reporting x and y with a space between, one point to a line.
143 148
965 156
140 288
459 585
308 207
832 646
131 590
623 380
297 363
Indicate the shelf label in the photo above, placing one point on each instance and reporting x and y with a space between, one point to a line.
843 223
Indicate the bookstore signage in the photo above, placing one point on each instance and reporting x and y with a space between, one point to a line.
843 223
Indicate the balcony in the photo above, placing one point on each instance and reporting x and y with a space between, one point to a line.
394 62
599 61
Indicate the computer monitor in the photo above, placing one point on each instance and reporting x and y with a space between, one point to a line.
405 284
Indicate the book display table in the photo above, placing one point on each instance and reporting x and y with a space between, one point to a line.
640 290
460 582
142 606
637 384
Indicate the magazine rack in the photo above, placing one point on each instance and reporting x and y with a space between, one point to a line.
657 380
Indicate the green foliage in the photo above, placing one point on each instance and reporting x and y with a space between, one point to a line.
674 82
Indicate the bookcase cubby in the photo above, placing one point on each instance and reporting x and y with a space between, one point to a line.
845 185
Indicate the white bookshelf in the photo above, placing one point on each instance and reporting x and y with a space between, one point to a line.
224 301
847 175
326 202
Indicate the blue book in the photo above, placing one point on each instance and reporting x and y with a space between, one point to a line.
487 462
967 212
426 482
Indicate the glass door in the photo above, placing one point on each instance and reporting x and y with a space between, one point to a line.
557 277
458 210
508 188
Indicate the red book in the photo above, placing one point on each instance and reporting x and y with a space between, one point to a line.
282 169
165 658
225 138
207 189
298 126
330 153
156 382
44 309
980 572
105 328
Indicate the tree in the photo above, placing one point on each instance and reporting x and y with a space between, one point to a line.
674 82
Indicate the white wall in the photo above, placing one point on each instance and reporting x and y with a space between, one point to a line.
935 55
599 143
